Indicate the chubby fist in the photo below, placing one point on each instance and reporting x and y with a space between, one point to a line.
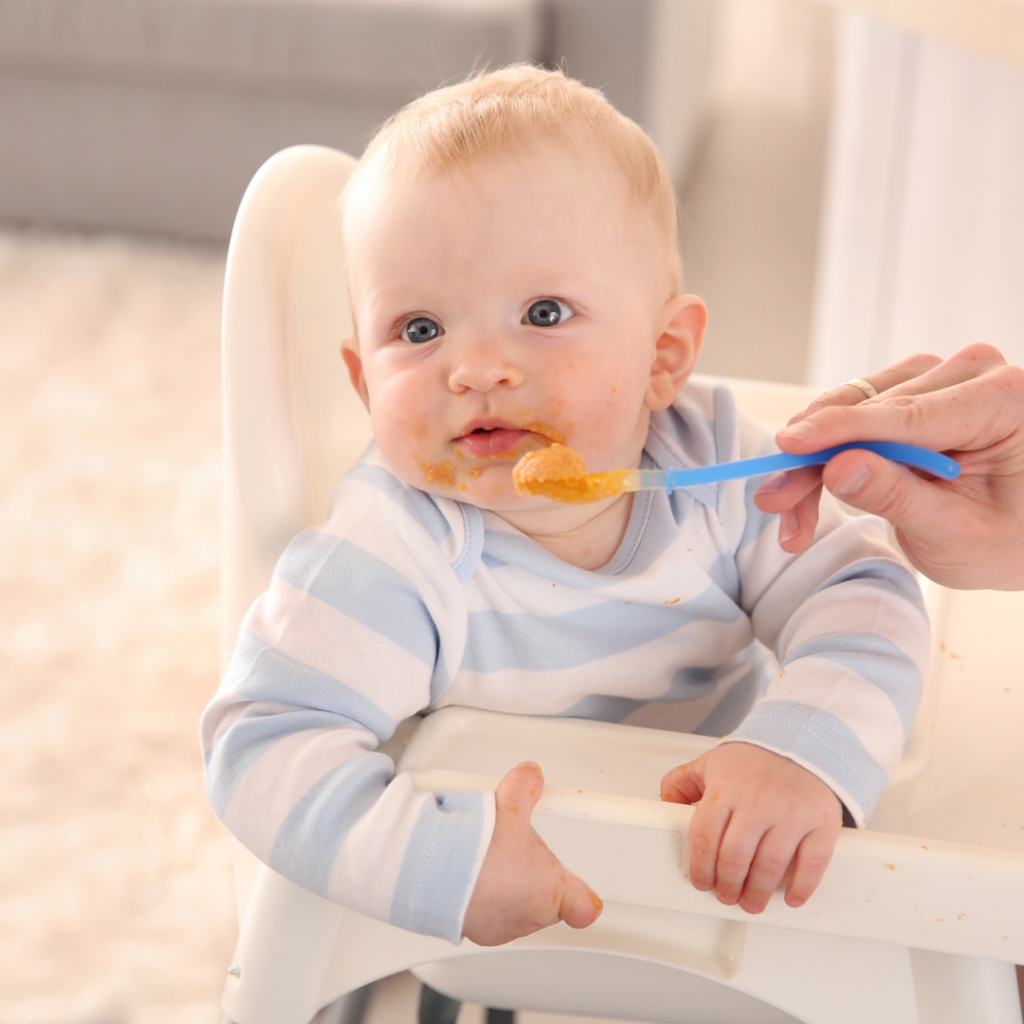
522 886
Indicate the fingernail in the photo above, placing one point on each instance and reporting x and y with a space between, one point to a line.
798 431
789 526
775 482
852 482
530 764
595 900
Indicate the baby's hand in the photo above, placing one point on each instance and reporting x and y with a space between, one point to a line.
759 813
522 887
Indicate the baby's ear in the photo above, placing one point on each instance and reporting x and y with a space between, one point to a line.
676 349
350 353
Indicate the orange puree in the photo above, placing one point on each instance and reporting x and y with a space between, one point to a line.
545 431
442 473
560 473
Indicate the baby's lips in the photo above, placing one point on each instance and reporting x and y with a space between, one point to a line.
490 444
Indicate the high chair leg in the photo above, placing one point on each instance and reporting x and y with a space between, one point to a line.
437 1008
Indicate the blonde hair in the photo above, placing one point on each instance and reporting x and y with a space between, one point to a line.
504 111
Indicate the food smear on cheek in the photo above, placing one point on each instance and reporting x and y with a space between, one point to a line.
439 473
417 429
559 472
553 434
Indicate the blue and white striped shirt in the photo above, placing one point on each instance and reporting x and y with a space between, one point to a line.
405 602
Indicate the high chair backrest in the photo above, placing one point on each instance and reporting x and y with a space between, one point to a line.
292 421
293 424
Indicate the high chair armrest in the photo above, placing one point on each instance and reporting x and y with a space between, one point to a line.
632 849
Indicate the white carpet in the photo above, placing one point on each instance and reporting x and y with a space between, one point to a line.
115 893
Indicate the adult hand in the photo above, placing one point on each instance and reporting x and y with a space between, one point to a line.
522 886
966 533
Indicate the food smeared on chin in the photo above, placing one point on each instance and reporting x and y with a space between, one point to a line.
559 472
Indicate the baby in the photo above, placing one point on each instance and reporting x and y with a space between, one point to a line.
515 281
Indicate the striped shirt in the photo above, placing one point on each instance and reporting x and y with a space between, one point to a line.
405 602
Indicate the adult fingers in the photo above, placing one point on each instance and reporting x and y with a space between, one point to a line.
772 859
812 858
970 362
782 491
794 495
882 380
580 905
968 416
796 527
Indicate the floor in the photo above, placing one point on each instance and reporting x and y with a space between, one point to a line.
115 895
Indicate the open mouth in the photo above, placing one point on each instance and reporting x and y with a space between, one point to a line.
495 442
500 439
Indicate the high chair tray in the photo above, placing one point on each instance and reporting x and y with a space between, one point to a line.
940 868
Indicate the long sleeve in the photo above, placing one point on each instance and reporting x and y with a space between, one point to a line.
846 622
350 639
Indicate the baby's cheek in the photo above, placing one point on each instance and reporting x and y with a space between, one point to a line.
401 440
611 417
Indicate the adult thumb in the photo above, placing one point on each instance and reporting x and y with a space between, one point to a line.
873 484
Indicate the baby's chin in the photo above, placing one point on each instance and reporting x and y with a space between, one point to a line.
488 486
492 499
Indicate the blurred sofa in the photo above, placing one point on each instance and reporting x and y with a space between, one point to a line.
154 114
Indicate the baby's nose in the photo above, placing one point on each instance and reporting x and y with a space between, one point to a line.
484 367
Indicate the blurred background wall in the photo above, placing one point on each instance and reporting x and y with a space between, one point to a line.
152 116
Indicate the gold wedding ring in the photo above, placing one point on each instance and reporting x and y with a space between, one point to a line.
860 385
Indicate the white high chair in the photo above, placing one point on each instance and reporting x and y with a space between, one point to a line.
918 920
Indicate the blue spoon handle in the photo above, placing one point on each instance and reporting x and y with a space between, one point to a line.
908 454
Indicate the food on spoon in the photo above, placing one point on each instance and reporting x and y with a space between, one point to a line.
559 472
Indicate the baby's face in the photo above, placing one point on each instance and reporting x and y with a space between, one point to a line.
499 310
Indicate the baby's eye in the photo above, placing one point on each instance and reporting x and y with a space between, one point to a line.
421 328
548 312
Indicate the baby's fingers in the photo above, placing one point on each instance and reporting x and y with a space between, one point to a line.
736 853
768 868
685 784
812 858
707 827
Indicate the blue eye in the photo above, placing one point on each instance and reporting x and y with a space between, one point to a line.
548 312
420 329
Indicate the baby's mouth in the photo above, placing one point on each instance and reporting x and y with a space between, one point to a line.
502 441
494 442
